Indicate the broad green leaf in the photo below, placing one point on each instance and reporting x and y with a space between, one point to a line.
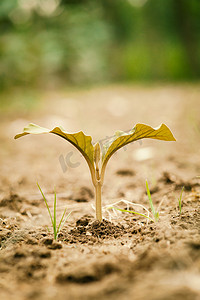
140 131
117 134
81 141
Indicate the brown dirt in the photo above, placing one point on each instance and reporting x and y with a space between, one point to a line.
123 257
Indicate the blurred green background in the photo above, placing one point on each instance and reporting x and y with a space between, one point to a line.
54 43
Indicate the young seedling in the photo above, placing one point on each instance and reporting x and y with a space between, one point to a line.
180 200
154 212
56 230
96 159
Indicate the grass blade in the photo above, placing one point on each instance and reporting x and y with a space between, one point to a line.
131 211
54 216
150 200
155 214
180 199
58 229
61 226
46 203
53 219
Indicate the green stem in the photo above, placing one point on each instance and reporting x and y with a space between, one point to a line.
98 201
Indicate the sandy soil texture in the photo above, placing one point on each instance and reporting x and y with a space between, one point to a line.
125 256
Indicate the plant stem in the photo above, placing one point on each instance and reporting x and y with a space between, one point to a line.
98 201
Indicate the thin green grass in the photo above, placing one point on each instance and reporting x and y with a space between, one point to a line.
154 212
180 200
131 211
56 230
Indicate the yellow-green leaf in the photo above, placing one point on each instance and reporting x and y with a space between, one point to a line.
140 131
81 141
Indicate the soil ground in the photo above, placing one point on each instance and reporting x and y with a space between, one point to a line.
124 257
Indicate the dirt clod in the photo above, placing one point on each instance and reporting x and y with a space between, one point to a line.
125 172
55 246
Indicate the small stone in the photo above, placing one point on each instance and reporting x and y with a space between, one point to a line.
55 245
47 241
